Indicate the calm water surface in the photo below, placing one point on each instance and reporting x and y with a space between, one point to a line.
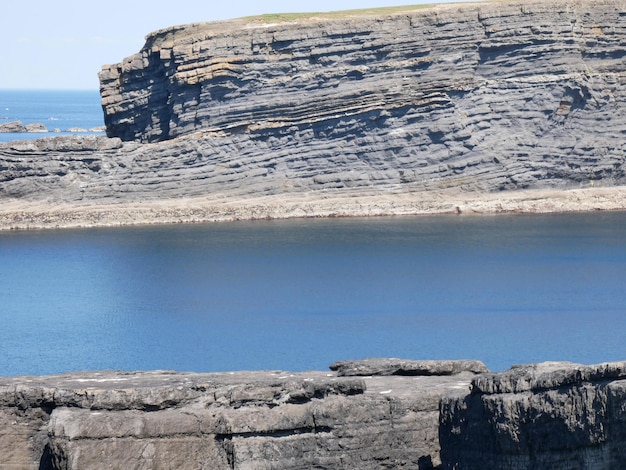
56 109
300 294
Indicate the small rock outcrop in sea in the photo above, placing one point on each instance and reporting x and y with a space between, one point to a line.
17 127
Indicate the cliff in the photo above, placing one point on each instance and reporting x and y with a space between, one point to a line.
369 414
538 416
488 97
408 110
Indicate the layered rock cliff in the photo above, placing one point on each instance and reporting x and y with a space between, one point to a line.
457 100
484 97
384 417
368 414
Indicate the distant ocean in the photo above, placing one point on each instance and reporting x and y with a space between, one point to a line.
55 109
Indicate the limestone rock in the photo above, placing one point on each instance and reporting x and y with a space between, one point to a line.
17 127
36 127
239 420
493 96
13 127
551 415
384 367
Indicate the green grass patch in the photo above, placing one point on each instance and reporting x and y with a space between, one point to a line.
279 17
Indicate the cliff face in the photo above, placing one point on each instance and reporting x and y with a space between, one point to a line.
478 96
551 415
424 103
369 414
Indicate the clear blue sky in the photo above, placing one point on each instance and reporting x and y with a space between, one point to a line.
63 44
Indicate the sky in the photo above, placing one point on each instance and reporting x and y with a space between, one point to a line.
63 44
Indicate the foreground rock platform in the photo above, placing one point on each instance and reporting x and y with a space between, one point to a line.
368 414
238 420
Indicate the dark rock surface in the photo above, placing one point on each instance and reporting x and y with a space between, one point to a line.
391 366
239 420
557 416
540 416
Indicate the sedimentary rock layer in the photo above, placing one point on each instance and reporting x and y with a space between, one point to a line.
452 99
483 97
370 414
239 420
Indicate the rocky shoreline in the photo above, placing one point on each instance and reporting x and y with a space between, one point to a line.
503 107
16 127
365 414
17 214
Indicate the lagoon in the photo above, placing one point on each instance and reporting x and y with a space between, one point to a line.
300 294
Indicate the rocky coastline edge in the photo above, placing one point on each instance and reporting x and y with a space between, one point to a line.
360 414
18 214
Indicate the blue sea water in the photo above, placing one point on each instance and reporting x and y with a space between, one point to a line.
56 109
301 294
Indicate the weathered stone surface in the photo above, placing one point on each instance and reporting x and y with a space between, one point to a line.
540 416
239 420
14 126
36 127
390 366
18 127
552 416
483 97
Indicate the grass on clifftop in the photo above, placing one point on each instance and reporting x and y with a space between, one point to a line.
270 17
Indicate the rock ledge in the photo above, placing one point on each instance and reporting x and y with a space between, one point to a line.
242 420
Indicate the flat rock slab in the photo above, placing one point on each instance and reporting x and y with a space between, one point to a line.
392 366
246 419
547 375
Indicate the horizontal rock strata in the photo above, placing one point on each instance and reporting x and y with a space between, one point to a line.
453 99
239 420
483 97
369 414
